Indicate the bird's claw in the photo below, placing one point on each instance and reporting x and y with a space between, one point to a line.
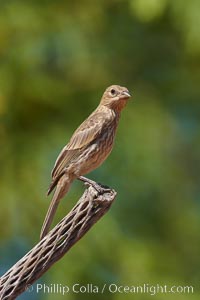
99 188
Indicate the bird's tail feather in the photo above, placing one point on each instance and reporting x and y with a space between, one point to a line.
61 189
54 183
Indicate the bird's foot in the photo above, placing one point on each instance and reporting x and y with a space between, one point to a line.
99 188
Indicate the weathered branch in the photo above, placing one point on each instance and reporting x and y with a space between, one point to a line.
89 209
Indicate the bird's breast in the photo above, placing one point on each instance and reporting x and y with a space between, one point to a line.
96 152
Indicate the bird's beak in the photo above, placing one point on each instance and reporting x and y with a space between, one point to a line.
126 94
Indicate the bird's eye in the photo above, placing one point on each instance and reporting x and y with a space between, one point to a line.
113 92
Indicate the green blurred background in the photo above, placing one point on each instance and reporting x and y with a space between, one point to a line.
56 59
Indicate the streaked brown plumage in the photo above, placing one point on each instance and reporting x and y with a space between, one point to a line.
88 147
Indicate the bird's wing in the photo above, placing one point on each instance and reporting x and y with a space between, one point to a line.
83 136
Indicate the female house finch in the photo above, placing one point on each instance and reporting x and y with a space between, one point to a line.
88 147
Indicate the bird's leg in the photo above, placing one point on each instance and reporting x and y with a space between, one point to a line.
96 186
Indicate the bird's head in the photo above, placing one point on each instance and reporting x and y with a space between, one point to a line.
115 97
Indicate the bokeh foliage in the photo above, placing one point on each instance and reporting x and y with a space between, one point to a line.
56 59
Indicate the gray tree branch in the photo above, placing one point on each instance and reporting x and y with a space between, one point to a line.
88 210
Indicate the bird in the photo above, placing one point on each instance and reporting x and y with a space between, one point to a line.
87 149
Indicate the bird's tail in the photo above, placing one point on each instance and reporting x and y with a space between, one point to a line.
61 189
